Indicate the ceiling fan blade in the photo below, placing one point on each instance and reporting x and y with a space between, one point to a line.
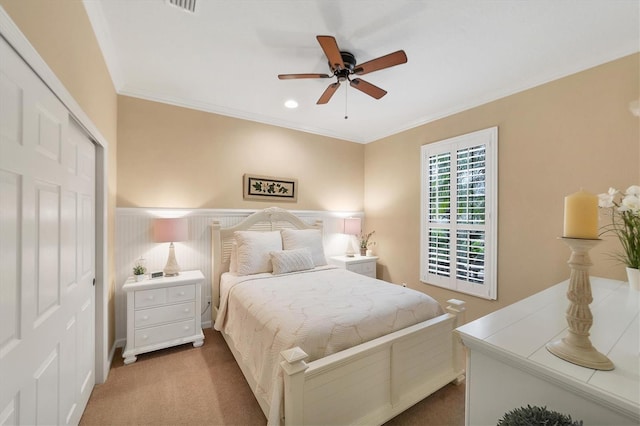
331 50
328 93
386 61
309 75
368 88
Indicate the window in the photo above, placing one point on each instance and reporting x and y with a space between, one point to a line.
458 245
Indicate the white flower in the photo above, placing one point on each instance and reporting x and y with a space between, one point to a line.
630 202
624 211
606 200
633 190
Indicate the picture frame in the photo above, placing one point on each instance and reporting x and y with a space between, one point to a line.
269 188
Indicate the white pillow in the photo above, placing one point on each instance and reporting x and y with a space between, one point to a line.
253 251
291 260
233 259
305 238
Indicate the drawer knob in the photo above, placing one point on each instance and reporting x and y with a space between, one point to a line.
150 297
186 327
145 337
144 318
186 310
181 293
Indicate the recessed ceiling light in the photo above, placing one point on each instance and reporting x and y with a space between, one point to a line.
291 104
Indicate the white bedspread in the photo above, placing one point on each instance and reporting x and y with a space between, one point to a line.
322 311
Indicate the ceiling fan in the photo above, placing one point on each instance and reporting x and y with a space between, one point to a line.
343 65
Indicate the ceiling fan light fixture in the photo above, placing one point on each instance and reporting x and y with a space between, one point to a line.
291 104
343 66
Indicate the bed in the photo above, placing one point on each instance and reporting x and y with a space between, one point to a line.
313 349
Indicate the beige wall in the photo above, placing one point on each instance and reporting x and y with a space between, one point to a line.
170 156
61 33
576 132
571 133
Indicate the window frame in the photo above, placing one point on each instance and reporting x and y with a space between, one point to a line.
489 288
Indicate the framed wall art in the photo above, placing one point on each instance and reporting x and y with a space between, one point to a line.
269 188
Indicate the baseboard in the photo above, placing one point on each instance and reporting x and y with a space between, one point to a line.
206 324
112 353
117 344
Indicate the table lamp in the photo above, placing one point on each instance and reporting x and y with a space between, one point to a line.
351 227
170 231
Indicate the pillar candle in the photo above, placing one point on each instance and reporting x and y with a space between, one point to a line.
581 215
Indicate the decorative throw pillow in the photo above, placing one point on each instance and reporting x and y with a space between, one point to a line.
305 238
291 261
253 250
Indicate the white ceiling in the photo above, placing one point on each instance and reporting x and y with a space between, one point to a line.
225 57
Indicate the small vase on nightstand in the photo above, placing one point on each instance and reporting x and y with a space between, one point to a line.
139 270
363 251
633 275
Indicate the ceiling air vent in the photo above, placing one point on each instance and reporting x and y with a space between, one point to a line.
186 5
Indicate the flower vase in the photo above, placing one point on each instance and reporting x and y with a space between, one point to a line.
633 275
363 251
139 277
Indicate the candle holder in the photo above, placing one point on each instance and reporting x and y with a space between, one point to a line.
576 347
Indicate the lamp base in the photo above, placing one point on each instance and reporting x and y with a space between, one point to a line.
582 355
350 252
171 269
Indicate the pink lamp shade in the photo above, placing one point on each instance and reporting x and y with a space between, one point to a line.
352 225
170 230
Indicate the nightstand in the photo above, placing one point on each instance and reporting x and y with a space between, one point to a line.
365 265
163 312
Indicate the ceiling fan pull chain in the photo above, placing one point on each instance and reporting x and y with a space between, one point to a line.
346 88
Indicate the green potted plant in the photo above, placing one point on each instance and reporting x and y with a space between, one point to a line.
365 243
624 209
536 416
138 271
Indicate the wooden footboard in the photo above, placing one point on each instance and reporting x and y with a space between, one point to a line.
374 381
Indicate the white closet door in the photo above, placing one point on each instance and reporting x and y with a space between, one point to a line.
47 253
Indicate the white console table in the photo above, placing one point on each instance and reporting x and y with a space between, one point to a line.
508 365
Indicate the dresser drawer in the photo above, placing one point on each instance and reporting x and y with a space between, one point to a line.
368 268
160 296
163 333
180 293
153 297
161 314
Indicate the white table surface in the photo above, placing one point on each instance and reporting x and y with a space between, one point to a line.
518 334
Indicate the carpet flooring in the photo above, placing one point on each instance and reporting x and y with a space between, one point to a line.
184 385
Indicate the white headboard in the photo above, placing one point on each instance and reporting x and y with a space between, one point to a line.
271 219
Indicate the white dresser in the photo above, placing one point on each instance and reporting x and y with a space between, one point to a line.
508 365
365 265
163 312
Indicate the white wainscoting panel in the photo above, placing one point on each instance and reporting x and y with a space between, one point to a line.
134 242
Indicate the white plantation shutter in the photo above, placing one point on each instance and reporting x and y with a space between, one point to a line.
439 181
459 213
